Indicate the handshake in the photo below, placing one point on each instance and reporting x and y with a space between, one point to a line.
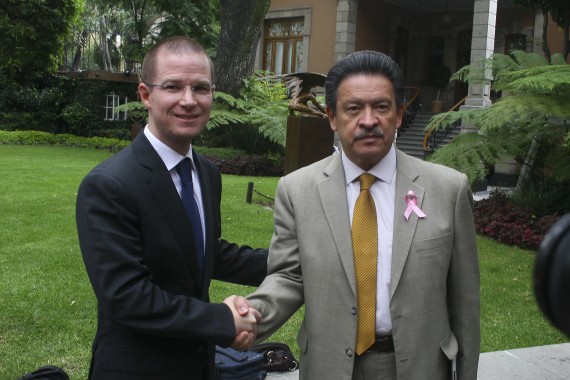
246 320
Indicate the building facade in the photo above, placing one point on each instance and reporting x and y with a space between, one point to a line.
421 36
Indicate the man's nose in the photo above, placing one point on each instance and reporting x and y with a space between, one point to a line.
188 97
367 119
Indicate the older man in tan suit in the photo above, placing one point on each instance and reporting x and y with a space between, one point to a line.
415 315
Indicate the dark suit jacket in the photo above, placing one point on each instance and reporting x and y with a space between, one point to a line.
154 316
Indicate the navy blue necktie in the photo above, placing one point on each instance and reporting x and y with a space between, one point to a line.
184 169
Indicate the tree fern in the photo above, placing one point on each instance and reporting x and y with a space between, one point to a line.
553 80
534 110
466 154
262 104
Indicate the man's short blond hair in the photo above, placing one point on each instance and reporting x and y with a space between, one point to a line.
176 45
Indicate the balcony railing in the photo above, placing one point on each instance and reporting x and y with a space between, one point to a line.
94 49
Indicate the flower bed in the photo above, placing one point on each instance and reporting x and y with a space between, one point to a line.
501 219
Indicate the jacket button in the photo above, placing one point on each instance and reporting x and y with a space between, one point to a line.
349 353
353 310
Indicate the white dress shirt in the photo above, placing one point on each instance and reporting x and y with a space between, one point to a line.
383 191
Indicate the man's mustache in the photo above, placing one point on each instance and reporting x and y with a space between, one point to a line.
372 132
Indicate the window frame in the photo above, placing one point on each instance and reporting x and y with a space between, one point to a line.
110 109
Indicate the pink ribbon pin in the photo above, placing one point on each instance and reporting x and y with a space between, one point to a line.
411 200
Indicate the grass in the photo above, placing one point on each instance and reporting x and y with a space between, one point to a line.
510 317
47 307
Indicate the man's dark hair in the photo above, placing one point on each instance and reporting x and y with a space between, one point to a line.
365 62
175 44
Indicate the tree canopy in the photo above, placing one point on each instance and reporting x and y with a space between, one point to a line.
147 21
32 34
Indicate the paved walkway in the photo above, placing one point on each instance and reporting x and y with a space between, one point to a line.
477 196
533 363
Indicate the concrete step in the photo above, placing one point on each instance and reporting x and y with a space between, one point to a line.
411 139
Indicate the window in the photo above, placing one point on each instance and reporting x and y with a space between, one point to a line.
283 47
113 101
435 58
514 42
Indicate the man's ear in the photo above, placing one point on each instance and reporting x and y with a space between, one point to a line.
400 117
144 94
332 119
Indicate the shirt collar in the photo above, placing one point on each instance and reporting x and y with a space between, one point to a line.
384 170
169 156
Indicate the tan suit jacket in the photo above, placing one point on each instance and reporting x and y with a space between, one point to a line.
434 297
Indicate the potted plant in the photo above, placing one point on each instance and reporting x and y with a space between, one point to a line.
439 78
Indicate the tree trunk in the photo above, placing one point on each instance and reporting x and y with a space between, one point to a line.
545 47
241 23
104 45
566 48
564 24
80 46
526 169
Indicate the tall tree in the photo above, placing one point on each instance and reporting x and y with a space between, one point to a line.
197 19
241 23
149 20
132 19
32 35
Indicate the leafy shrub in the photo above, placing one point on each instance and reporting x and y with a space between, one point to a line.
30 108
544 193
250 165
62 105
43 138
76 116
228 160
239 136
503 220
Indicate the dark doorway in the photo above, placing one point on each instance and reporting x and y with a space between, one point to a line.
401 49
463 59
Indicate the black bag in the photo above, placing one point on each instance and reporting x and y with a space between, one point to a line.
48 372
277 357
235 365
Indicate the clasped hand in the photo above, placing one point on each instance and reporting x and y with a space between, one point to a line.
246 320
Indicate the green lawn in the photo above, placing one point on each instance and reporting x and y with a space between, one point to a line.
47 308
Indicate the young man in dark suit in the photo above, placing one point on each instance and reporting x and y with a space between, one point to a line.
149 259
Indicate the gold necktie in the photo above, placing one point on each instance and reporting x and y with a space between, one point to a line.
365 247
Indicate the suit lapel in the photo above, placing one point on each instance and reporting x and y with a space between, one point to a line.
332 190
404 230
166 197
207 206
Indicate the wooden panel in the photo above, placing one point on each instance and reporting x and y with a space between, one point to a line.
309 139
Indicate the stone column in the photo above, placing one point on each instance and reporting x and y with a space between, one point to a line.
537 34
345 28
482 46
345 41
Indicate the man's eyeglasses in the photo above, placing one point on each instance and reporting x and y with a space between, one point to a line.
175 88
